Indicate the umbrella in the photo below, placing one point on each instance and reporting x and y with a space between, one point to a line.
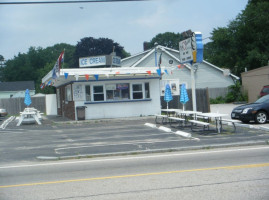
27 98
183 95
168 94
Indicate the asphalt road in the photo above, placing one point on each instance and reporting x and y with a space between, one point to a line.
235 173
29 143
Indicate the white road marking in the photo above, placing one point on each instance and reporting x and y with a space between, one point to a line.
134 158
118 143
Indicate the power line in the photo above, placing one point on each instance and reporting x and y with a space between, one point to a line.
63 2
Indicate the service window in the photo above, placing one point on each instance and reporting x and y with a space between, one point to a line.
124 90
111 92
118 91
98 93
137 91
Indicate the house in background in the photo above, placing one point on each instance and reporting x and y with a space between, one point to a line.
16 89
207 75
254 80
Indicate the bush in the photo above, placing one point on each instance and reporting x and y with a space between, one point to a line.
218 100
234 94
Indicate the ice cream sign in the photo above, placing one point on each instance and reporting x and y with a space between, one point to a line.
105 60
92 61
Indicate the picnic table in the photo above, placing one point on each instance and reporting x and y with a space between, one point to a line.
187 113
170 111
30 114
217 117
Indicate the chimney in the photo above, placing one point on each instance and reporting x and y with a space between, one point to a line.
146 46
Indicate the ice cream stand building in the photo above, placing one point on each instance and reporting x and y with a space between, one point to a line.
102 89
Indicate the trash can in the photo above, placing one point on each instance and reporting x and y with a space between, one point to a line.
81 112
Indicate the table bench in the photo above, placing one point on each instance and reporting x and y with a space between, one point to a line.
179 120
216 116
160 116
204 124
231 121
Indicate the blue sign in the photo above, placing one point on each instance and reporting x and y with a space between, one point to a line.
199 47
116 61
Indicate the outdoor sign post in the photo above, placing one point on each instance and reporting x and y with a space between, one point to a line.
191 51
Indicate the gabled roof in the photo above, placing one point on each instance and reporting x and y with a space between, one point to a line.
135 60
17 86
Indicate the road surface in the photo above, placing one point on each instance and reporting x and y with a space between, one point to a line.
235 173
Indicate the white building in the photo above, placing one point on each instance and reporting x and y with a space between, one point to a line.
207 75
16 89
106 92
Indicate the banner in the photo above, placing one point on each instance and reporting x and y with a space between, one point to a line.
57 66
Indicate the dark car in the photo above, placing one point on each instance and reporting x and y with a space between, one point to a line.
257 111
264 91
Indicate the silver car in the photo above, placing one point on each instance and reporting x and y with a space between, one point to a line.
3 112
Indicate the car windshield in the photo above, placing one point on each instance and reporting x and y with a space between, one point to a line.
263 99
265 90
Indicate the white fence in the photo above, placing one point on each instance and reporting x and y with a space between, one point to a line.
46 104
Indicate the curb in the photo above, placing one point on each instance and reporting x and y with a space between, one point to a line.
100 120
214 146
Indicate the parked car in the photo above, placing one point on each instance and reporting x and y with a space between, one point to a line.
257 111
264 91
3 112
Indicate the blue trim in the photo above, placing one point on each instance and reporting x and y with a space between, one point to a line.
122 101
127 79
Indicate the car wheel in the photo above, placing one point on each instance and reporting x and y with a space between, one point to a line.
245 121
261 117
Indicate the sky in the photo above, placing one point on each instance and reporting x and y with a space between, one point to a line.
127 23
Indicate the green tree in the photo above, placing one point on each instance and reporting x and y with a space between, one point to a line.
90 46
244 43
36 63
167 39
2 58
2 65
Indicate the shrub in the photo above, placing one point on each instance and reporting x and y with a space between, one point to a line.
234 94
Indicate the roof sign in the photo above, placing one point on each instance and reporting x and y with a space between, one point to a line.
97 61
92 61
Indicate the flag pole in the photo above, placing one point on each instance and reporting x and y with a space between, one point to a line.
63 60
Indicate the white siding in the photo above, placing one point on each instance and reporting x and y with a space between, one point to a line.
124 109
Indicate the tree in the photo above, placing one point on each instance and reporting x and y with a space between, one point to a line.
90 46
167 39
2 65
244 43
36 63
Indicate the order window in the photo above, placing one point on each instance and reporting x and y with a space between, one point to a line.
118 91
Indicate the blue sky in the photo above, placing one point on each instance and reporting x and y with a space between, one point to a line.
128 23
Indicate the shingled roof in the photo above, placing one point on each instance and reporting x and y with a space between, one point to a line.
17 86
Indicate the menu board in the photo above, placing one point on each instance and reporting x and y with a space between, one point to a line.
78 93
